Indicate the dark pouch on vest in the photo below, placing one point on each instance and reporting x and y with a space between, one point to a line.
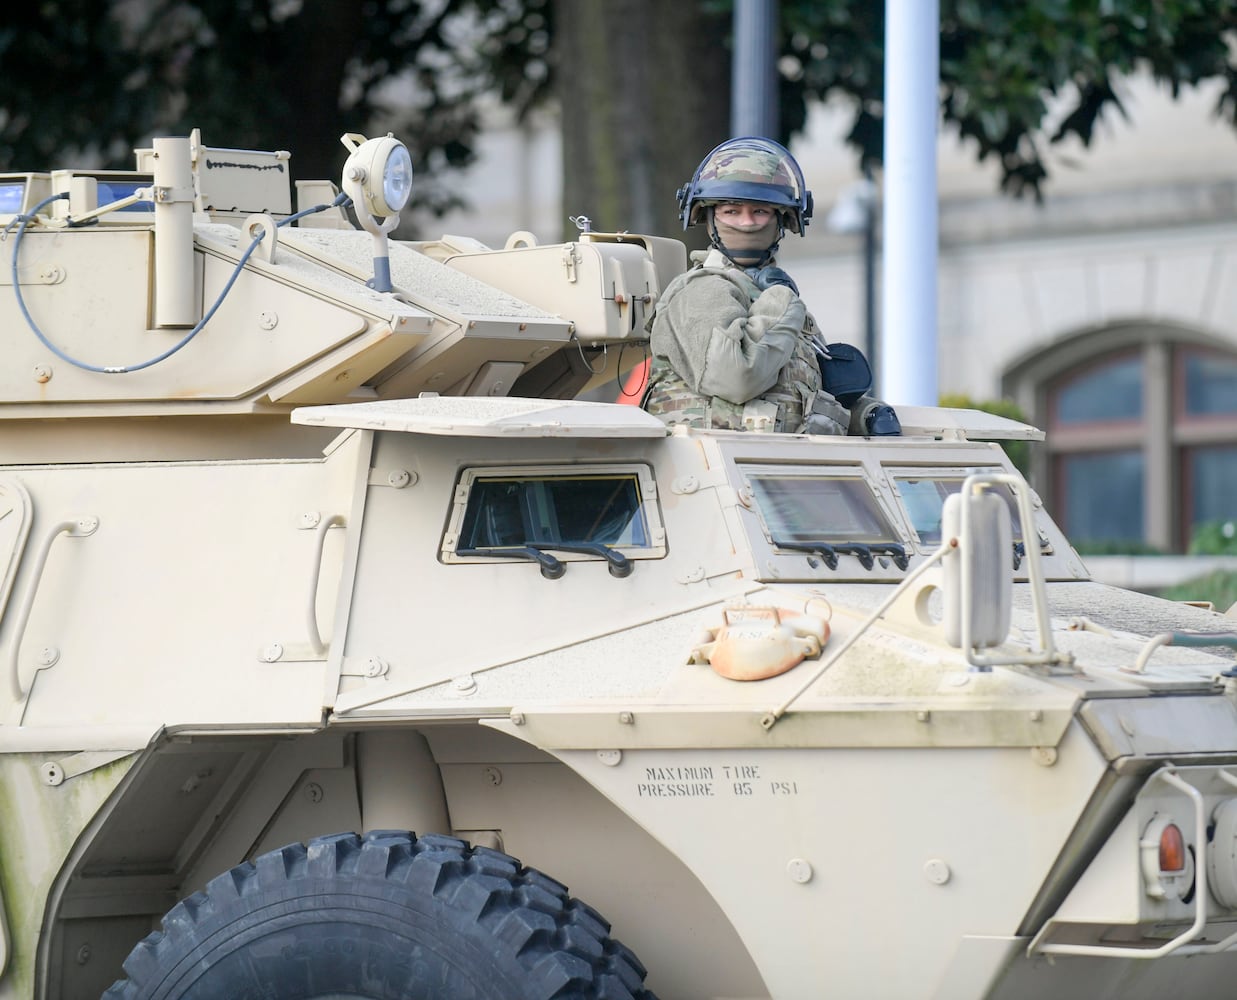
844 371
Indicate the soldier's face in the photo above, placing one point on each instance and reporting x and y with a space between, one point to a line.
746 226
746 216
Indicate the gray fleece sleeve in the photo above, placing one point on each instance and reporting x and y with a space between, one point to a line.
730 350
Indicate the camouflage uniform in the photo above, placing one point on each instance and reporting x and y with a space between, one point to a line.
727 355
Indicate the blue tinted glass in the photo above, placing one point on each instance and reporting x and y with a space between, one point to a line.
11 194
110 191
1214 484
924 498
1111 392
804 508
1103 496
1210 384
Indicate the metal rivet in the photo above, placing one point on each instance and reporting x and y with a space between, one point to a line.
626 718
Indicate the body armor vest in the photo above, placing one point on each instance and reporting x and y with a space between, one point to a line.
783 407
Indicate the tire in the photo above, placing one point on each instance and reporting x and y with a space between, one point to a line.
388 916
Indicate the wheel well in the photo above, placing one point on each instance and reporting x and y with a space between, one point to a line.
194 807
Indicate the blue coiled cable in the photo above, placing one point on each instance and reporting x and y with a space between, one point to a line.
25 220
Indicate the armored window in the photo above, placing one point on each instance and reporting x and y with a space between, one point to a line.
808 506
923 497
822 513
595 509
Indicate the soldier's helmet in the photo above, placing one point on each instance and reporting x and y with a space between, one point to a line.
748 168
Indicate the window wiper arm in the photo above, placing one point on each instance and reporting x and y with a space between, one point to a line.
898 552
618 564
551 568
864 552
827 552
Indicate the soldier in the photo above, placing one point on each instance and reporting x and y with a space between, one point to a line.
733 344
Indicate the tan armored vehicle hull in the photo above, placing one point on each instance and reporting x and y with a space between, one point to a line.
349 563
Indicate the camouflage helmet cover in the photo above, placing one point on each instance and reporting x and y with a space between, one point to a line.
748 168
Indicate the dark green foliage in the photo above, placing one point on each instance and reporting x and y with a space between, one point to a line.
86 80
100 76
1019 452
1005 62
1214 538
1220 588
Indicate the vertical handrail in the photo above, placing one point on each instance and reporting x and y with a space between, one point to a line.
20 498
1047 653
311 617
80 527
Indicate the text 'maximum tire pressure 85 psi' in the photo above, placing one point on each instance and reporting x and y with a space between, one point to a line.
387 916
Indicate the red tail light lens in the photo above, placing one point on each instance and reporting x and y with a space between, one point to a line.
1172 849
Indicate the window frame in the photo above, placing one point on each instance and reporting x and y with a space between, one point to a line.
646 485
1166 435
899 474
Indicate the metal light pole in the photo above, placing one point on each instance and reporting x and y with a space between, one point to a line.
855 212
909 244
753 72
869 269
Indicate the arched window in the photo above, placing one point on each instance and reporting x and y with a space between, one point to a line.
1142 439
1206 393
1095 426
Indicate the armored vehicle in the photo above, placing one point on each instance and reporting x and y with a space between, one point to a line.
348 652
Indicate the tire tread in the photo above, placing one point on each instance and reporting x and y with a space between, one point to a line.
563 945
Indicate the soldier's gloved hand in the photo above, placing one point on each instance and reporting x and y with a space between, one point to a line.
767 277
827 416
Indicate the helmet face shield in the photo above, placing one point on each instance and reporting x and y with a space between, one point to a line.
748 169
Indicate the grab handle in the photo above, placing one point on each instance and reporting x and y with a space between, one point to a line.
311 617
79 528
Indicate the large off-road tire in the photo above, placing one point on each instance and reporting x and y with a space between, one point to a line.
385 917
